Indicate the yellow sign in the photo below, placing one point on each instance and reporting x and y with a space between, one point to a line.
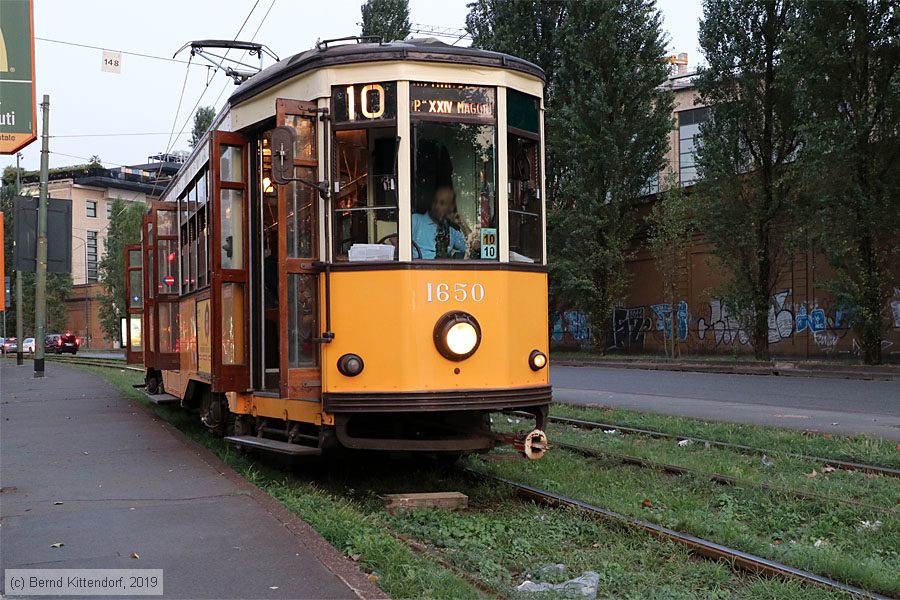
204 347
18 115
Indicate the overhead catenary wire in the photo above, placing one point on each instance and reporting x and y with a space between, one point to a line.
140 54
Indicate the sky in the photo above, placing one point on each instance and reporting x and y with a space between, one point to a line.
90 110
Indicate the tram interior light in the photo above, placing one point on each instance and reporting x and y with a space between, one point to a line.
457 335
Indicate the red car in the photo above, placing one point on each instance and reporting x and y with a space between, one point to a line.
57 343
9 345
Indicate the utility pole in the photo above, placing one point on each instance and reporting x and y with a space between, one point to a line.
40 289
20 326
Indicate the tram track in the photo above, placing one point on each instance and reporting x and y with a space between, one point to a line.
830 462
638 461
702 547
109 363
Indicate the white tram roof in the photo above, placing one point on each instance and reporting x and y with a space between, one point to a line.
420 49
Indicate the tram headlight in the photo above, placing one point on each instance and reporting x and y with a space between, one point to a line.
457 335
537 360
350 365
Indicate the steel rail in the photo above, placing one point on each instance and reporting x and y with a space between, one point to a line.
743 560
831 462
629 459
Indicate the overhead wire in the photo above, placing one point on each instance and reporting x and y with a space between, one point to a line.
141 54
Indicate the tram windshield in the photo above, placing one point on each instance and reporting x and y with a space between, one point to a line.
454 204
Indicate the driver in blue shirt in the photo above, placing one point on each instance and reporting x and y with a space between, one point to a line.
435 234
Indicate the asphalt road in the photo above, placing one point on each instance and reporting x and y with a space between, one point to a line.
834 405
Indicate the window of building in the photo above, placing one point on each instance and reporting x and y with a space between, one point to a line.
92 208
91 265
454 201
109 204
688 131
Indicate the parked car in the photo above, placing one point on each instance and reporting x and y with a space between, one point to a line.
57 343
28 345
9 345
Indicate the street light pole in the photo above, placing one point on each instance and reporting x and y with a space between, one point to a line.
40 288
20 326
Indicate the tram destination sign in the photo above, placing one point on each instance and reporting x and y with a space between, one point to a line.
364 102
445 99
18 116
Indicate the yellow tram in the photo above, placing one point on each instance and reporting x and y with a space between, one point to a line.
354 255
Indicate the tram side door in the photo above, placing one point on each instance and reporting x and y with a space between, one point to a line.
132 330
298 250
230 289
161 286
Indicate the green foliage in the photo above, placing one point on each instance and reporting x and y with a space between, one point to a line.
671 228
745 195
388 19
607 129
203 119
124 229
851 153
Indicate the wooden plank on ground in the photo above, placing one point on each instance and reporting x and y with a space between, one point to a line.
445 500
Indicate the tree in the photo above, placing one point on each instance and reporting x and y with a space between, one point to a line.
671 228
203 119
388 19
747 143
610 134
607 127
124 229
850 157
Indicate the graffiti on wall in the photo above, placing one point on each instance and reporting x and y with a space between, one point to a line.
781 319
895 307
663 313
721 325
629 327
571 325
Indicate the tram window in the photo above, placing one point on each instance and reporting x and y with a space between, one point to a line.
202 192
231 163
301 301
192 232
525 207
134 332
305 136
135 287
167 265
300 218
366 201
167 326
202 244
233 323
165 222
454 199
232 228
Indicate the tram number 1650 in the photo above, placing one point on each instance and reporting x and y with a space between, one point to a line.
460 292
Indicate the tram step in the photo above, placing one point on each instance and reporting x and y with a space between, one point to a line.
163 399
273 445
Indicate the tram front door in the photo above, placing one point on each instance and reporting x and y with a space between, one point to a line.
298 250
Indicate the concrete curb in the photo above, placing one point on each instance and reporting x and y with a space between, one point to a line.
776 368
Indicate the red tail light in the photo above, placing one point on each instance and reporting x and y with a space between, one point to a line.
78 341
59 341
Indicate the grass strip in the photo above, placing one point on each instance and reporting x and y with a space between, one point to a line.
858 448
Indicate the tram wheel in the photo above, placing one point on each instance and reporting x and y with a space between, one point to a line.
214 412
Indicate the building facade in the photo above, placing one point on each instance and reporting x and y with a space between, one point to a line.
92 190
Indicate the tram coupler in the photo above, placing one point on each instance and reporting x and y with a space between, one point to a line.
533 445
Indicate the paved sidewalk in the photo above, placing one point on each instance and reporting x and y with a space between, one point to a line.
130 483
